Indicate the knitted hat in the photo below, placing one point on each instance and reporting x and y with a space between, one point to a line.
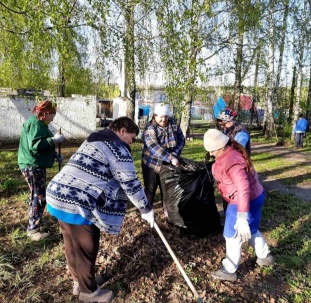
162 110
214 140
45 107
227 115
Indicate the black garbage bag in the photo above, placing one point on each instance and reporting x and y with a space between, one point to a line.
188 195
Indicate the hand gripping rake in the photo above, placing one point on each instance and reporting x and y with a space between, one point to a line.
200 300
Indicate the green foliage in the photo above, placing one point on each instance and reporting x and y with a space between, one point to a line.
10 185
5 270
106 91
182 43
41 38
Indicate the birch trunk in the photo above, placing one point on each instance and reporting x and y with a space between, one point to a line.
238 71
280 64
269 129
300 58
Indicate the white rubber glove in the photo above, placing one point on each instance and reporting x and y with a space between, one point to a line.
58 138
149 217
242 227
175 162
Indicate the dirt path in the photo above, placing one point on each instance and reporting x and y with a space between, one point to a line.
299 163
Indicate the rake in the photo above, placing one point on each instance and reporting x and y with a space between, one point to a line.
200 300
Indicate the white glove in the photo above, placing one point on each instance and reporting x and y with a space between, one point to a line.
242 227
60 158
58 138
149 217
175 162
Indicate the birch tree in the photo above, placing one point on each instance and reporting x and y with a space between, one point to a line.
302 19
126 42
187 29
39 38
269 127
244 23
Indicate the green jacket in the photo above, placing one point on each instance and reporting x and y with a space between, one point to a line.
36 147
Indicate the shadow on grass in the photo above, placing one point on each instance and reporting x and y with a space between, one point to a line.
288 221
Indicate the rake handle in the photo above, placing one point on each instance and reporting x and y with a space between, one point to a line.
177 263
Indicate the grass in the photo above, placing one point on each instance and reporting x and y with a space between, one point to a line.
26 266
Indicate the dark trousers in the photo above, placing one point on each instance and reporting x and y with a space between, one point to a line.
81 249
36 179
151 182
299 139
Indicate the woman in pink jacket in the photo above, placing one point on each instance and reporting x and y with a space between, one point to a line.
238 184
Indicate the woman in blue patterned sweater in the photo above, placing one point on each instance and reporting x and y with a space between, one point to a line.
90 195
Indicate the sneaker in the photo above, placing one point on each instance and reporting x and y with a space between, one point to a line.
223 274
268 261
99 295
36 235
76 289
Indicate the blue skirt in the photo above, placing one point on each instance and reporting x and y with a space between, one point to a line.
254 216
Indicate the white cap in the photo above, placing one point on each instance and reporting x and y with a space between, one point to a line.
162 110
214 140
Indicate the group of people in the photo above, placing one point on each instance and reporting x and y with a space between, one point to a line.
90 193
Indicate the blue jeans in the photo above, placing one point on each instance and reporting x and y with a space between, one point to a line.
255 209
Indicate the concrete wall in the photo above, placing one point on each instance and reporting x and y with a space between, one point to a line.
76 116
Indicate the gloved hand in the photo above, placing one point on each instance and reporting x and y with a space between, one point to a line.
175 162
242 227
59 158
149 217
58 138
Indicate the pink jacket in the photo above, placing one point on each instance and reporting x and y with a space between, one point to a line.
235 184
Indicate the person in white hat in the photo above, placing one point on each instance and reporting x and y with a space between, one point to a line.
163 142
238 183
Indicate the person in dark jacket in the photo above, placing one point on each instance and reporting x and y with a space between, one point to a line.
234 129
36 152
163 143
301 127
90 194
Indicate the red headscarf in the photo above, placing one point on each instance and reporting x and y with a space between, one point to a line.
45 107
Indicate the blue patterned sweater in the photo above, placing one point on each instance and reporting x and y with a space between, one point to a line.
96 184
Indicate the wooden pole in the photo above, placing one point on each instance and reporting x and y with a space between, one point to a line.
178 264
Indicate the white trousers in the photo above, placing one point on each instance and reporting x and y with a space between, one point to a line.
234 250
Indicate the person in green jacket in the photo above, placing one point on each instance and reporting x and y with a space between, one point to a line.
36 152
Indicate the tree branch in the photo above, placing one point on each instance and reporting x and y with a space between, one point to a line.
12 10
